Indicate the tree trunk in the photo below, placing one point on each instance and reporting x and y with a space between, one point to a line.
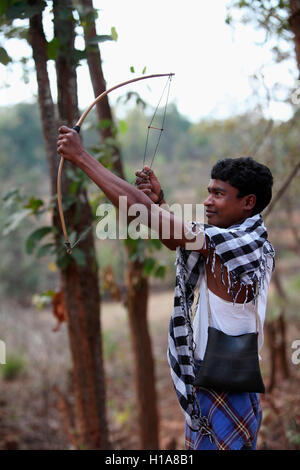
99 85
137 295
276 330
137 292
294 21
47 111
283 345
281 324
80 284
293 223
270 329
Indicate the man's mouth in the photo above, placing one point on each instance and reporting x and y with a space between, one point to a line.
209 213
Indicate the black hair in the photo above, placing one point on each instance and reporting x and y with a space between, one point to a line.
248 176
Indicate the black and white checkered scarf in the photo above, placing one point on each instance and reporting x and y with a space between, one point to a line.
243 249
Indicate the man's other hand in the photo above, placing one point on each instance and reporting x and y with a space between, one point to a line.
147 182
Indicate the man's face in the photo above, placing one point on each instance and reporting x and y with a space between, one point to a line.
222 206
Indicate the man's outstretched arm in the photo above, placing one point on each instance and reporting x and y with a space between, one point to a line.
69 147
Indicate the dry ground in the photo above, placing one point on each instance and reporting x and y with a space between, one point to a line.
29 418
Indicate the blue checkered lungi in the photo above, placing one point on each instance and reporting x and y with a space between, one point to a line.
233 418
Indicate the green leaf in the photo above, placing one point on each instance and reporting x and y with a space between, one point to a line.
114 34
105 124
4 57
52 48
149 265
155 243
78 55
99 38
23 9
144 70
228 19
3 7
243 3
136 249
122 126
132 69
160 272
65 12
11 193
41 300
35 237
45 250
73 187
34 204
14 220
50 293
63 261
79 257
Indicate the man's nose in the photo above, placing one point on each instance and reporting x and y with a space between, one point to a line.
208 201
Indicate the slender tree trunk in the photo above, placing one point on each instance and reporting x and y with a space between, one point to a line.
282 190
281 325
293 224
137 283
80 284
47 111
276 330
294 21
137 296
99 85
271 332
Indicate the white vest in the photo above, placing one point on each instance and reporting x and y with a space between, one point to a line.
232 319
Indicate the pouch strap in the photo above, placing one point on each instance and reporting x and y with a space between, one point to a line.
208 304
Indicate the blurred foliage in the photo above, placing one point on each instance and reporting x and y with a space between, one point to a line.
20 273
271 16
15 367
22 144
293 434
110 344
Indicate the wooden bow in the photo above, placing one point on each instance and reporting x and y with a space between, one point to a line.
77 128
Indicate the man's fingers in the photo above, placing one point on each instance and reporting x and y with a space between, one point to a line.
61 143
148 170
142 175
64 129
60 149
142 181
61 140
144 186
150 173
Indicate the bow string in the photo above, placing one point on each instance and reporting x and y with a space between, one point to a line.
77 128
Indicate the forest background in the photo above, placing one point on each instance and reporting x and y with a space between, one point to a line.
39 400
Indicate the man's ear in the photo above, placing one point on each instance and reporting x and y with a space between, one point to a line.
250 201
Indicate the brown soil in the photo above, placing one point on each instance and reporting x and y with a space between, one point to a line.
29 418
